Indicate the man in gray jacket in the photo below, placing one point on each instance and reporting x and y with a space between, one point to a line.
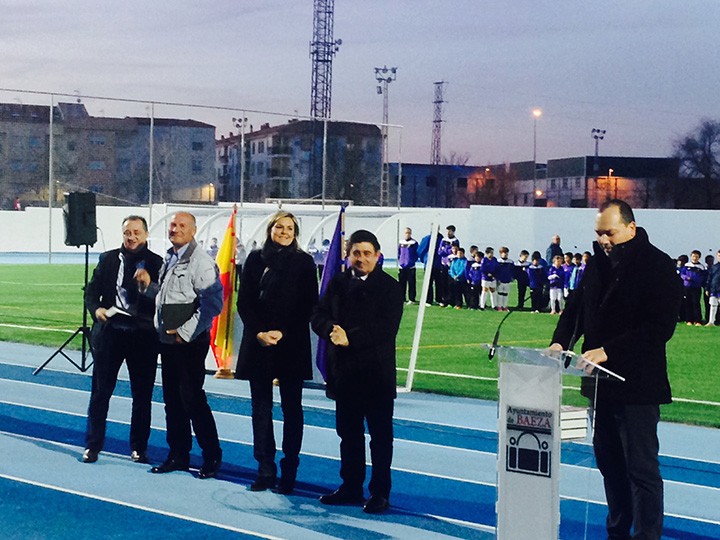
188 297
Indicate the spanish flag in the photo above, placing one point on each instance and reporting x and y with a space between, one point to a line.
221 333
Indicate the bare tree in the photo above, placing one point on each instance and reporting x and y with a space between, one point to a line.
456 159
699 154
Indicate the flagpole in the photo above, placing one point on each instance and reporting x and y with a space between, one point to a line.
222 351
432 248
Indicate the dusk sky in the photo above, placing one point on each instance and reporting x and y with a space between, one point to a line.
647 71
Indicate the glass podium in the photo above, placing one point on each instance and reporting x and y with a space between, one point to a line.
531 425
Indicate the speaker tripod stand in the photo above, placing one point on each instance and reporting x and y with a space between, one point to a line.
83 330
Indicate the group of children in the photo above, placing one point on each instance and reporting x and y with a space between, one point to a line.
698 277
485 278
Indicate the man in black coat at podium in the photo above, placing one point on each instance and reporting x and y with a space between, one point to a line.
360 314
626 307
124 333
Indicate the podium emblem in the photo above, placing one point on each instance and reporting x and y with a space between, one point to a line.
529 438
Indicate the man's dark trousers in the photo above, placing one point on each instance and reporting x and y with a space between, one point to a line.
408 282
139 350
350 415
183 376
626 449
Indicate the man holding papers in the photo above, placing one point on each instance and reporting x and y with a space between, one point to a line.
626 307
122 330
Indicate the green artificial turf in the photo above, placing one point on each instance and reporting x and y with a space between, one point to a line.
50 296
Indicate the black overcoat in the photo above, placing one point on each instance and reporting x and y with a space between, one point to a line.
370 312
278 298
631 310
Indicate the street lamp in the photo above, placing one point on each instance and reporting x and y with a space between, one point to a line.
537 113
240 124
610 176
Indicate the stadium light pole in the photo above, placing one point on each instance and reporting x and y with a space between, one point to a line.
598 135
537 113
384 76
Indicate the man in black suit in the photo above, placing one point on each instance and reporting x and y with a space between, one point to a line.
126 335
626 307
360 315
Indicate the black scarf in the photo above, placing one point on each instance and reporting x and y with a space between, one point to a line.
133 261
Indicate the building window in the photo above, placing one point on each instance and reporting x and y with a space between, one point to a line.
197 146
96 139
260 167
577 182
97 165
123 165
553 183
16 165
34 142
252 148
565 182
525 199
197 166
33 166
261 147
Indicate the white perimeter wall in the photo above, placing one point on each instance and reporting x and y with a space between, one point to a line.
674 231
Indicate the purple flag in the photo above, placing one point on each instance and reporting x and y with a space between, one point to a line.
333 264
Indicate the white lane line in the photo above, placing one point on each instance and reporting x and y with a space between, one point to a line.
318 428
39 328
138 507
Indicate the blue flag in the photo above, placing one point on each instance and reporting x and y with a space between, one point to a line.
333 264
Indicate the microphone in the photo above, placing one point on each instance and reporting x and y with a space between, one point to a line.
491 353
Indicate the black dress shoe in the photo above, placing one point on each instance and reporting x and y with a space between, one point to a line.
138 456
284 487
376 504
170 465
342 497
210 468
263 483
90 456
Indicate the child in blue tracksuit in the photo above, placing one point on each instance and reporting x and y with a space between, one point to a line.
712 289
693 274
537 277
474 277
556 281
568 266
489 268
521 277
458 276
579 263
504 275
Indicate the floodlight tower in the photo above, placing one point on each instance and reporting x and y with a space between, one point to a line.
435 152
322 49
384 76
598 135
